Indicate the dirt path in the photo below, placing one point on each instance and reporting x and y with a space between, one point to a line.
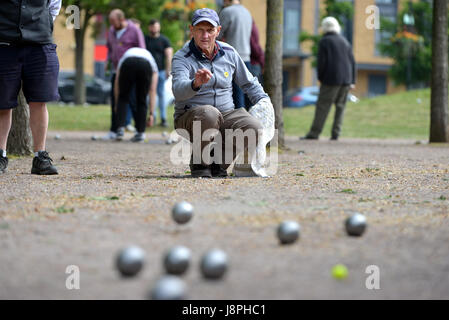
48 223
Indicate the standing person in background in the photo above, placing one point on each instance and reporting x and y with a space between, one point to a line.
336 72
257 59
28 58
236 25
123 35
161 49
136 69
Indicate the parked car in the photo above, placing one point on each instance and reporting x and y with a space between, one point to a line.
98 91
306 96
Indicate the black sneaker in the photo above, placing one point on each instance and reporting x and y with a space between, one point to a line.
120 134
307 137
200 171
334 138
138 137
42 164
3 164
218 171
163 123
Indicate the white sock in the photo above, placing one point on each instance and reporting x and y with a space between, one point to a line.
4 153
36 154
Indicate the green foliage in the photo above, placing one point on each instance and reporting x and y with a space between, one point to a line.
139 9
175 31
403 45
143 10
63 209
305 36
349 191
175 17
341 11
90 6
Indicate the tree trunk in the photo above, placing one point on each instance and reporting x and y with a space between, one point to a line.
19 139
273 62
80 86
439 130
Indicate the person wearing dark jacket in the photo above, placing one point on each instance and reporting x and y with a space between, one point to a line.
336 72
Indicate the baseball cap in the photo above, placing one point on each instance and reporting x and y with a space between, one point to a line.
205 14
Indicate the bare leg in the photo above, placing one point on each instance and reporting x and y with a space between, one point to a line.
38 124
5 126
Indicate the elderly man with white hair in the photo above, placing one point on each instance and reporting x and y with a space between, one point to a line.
336 72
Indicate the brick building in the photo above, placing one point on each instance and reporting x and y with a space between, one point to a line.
305 15
299 15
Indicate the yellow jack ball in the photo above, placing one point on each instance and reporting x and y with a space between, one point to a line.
339 271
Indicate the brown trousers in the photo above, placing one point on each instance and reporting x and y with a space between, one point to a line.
210 118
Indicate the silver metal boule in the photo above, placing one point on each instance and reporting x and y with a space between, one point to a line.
169 288
214 264
182 212
288 232
355 225
130 261
177 260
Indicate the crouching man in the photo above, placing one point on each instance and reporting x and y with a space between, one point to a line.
203 71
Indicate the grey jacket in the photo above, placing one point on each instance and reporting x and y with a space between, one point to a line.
236 25
225 67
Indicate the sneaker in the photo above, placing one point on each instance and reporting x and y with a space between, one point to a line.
120 134
138 137
334 138
110 136
130 128
218 171
200 171
42 164
307 137
3 164
163 123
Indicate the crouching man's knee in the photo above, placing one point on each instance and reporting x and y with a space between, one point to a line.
209 117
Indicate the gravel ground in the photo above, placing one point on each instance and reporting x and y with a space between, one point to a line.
48 223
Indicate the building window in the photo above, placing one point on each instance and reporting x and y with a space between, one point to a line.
377 84
292 27
388 9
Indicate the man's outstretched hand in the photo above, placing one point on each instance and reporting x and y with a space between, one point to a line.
201 76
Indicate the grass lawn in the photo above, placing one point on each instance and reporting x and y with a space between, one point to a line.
89 118
404 115
399 115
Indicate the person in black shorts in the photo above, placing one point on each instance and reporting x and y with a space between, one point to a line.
28 58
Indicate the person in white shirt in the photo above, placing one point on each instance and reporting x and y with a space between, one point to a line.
138 68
